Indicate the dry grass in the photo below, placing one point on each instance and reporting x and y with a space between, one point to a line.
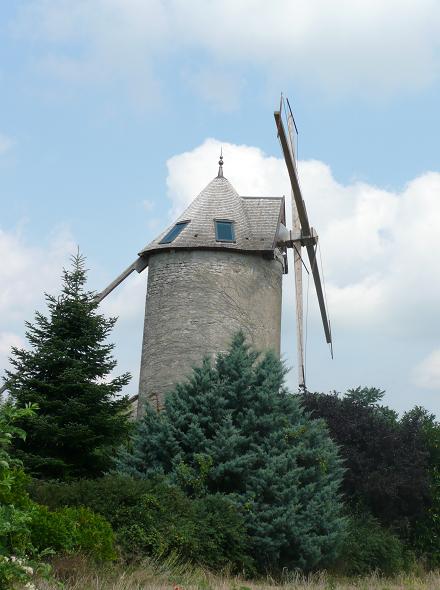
76 574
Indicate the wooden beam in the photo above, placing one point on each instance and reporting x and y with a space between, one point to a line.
311 252
300 206
297 271
306 230
138 265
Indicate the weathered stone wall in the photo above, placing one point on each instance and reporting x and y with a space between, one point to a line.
196 300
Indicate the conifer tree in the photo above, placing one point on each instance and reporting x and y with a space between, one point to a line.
81 420
233 428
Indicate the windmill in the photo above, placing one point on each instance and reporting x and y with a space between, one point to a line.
302 236
218 269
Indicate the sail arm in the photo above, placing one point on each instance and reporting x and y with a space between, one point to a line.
306 231
299 202
139 265
311 252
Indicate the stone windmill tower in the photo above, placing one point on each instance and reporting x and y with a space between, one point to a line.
216 270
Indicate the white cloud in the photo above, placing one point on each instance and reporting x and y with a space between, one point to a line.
127 301
27 271
362 47
190 172
359 46
427 373
6 144
8 340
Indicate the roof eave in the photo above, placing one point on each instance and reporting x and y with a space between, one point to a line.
223 247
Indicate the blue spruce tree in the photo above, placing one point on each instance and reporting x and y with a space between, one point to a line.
232 428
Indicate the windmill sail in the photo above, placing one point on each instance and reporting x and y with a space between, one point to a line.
297 264
307 236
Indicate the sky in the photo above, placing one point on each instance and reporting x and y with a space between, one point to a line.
112 115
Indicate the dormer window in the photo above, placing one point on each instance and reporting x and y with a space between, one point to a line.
174 232
224 230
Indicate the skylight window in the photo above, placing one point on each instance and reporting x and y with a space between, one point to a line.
224 231
174 232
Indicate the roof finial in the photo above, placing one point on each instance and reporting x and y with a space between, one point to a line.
220 164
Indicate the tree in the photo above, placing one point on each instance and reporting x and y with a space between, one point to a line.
232 428
426 534
81 419
386 459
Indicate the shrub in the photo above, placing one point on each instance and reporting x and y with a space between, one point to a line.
152 517
369 547
28 530
208 531
425 537
72 530
221 534
16 550
104 495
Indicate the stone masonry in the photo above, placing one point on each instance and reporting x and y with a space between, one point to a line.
196 300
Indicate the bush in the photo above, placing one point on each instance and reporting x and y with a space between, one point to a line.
152 517
371 548
425 538
28 530
221 534
72 530
18 559
104 495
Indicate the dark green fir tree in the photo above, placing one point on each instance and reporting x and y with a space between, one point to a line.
232 428
81 420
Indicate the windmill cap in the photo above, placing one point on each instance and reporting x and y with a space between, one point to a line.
255 220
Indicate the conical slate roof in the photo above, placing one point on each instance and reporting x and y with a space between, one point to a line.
255 220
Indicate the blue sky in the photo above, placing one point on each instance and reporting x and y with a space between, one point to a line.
111 117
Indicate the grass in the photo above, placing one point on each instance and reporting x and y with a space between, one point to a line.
76 573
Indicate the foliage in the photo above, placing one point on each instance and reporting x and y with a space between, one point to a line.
151 517
27 530
72 530
208 531
81 419
386 459
12 479
232 428
369 547
425 537
18 572
104 495
16 550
